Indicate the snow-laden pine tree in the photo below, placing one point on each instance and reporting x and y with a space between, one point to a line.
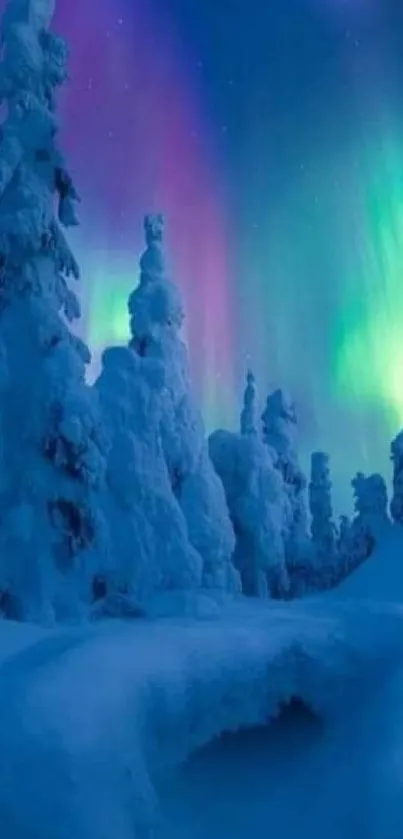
52 537
152 551
258 508
396 505
280 435
371 520
249 421
323 529
156 318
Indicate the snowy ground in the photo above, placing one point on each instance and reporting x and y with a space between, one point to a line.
95 722
281 781
301 776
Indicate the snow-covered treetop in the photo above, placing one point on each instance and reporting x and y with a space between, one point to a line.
279 422
153 228
320 469
251 381
155 306
279 403
248 415
35 59
320 488
32 169
38 14
280 434
152 262
370 494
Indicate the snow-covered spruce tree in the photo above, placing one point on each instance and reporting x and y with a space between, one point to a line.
280 435
371 519
396 505
157 316
249 422
258 508
52 537
323 529
152 551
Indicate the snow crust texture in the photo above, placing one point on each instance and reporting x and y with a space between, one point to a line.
89 721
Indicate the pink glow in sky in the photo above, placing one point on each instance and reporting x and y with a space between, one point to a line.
136 139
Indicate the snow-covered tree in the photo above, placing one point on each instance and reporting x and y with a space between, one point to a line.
258 507
249 422
280 435
152 551
157 315
323 529
371 519
52 537
371 498
396 505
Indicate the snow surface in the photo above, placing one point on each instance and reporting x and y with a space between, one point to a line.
288 780
92 719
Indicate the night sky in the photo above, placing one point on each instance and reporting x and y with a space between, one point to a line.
271 136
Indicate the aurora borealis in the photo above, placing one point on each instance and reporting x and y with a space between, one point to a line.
137 143
271 136
369 357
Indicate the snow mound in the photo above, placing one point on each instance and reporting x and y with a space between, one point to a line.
89 720
380 577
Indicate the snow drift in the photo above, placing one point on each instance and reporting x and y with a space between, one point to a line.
89 720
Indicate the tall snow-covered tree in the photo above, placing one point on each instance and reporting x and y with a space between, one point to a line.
320 503
249 421
152 551
396 452
280 435
157 315
323 529
52 537
258 508
371 519
371 498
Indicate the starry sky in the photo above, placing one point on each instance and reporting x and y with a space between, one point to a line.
271 136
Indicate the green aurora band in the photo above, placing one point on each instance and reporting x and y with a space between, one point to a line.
368 358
